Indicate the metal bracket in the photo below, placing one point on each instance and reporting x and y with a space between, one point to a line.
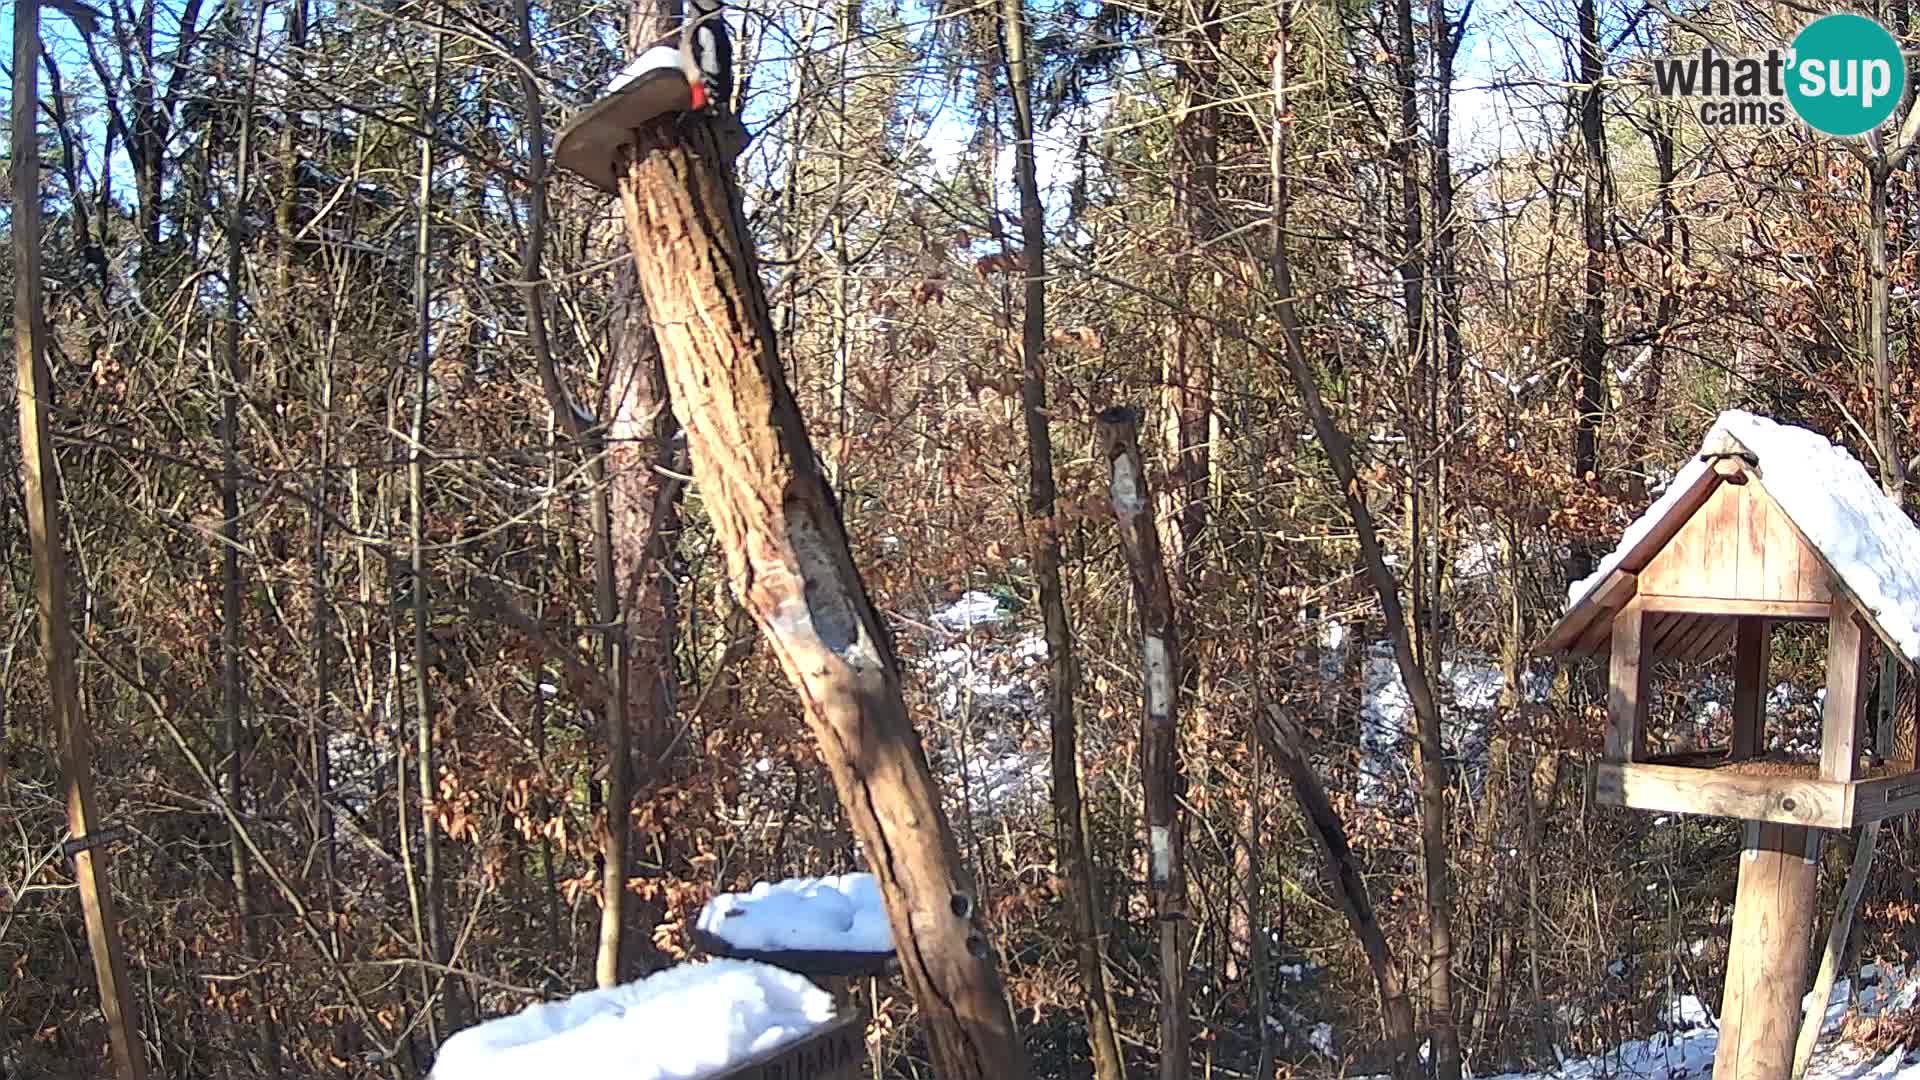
79 844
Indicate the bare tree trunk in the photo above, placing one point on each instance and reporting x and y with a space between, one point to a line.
1590 400
46 531
787 556
433 899
1446 33
1435 872
1072 836
232 613
1187 370
1159 734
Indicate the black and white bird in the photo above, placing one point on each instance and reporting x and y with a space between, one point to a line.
706 54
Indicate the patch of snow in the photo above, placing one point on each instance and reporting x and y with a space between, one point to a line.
1687 1012
1321 1038
1469 690
1686 1050
719 1014
839 913
974 608
660 56
1870 543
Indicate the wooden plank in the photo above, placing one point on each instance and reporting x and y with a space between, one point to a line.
1717 605
1811 578
836 1052
1719 550
1841 720
1685 645
1695 496
1767 967
1661 631
1885 797
1671 570
1752 648
1718 642
1593 642
1675 789
46 532
1667 548
1755 552
1628 677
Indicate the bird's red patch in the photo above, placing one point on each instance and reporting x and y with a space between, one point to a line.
699 95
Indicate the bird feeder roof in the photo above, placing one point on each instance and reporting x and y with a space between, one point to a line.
1808 500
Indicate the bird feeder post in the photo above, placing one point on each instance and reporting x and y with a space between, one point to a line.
1767 960
1752 645
1770 524
1629 673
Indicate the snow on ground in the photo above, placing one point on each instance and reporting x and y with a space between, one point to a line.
1469 689
1869 541
974 608
841 913
986 674
688 1021
1686 1049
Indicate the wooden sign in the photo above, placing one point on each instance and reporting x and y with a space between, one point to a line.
836 1052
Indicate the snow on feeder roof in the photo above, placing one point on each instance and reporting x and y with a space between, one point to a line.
1823 528
687 1022
835 925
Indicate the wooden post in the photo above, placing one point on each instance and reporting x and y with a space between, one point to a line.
47 533
1751 648
1119 429
1628 681
1845 706
788 560
1767 967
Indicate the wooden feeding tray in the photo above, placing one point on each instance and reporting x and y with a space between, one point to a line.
835 1052
813 963
1772 787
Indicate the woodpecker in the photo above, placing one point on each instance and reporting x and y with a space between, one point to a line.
706 55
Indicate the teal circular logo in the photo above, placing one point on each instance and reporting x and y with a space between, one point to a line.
1847 75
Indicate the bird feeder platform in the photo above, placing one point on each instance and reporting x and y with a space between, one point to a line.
835 1052
813 963
651 87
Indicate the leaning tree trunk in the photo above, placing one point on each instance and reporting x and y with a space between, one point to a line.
1283 742
1119 429
790 565
47 539
1434 867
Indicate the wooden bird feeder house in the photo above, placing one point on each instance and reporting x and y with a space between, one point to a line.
1770 524
1741 542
